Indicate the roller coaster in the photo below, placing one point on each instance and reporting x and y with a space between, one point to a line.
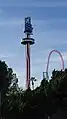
48 61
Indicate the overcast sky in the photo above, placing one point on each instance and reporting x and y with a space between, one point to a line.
49 19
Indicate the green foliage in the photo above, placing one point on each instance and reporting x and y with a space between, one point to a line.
44 100
6 78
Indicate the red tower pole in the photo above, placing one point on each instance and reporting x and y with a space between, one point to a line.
28 65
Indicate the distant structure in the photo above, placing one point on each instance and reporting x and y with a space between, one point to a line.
45 75
33 79
15 81
62 67
27 41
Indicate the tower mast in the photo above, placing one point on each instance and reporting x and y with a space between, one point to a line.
27 41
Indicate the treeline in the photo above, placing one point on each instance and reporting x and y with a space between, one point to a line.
42 102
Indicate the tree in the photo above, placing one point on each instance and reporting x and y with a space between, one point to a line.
44 100
57 91
5 78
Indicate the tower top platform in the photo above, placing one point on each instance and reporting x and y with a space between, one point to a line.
25 41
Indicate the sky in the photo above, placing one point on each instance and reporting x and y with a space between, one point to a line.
49 20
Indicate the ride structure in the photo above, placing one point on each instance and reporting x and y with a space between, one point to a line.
33 79
27 41
62 66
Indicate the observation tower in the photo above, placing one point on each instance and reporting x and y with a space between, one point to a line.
27 41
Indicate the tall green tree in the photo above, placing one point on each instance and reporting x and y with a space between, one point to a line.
44 100
6 78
